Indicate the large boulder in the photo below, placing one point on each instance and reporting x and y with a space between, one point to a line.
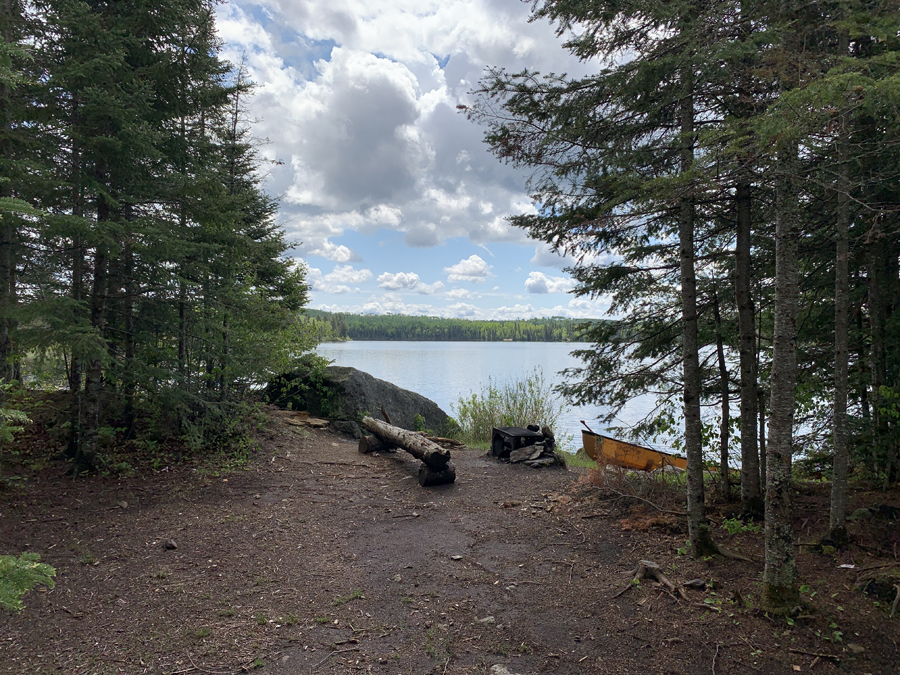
345 395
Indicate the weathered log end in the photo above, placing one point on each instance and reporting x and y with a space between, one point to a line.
429 477
369 444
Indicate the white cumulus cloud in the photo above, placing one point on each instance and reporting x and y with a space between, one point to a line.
348 274
538 282
460 294
335 252
408 281
473 269
336 281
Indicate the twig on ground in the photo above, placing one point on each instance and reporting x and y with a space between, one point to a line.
336 651
878 567
212 672
715 656
830 657
896 601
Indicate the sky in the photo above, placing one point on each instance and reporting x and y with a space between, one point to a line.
386 189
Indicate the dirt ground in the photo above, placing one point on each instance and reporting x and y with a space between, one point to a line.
316 559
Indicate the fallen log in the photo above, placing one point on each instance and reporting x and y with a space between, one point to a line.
369 444
431 454
429 477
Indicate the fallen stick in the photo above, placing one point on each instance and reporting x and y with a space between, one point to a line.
336 651
831 657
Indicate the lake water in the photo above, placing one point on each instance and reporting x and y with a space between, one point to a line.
445 371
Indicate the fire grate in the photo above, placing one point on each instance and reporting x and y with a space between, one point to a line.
505 440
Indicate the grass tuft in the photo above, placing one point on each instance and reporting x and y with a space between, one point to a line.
513 403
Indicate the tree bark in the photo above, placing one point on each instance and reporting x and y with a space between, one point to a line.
724 427
779 577
419 447
76 369
761 401
86 453
7 295
837 521
698 528
369 444
129 379
751 499
878 365
10 16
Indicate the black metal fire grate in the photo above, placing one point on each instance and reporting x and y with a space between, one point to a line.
506 439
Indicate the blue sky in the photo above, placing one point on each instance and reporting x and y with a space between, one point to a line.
390 196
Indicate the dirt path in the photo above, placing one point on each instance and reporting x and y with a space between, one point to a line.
320 560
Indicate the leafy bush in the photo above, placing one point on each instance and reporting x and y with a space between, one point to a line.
20 575
514 403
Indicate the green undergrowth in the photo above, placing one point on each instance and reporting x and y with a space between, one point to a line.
18 575
579 459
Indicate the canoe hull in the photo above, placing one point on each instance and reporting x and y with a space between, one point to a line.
606 450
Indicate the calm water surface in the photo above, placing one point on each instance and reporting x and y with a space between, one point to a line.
445 371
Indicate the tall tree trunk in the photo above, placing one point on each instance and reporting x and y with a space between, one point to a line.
86 456
779 577
878 365
761 405
77 291
837 518
751 493
182 332
861 359
724 428
7 295
751 497
698 528
10 16
224 374
129 376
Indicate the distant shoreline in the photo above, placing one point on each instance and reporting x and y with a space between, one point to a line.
339 327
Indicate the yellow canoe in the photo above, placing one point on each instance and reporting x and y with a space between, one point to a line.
606 450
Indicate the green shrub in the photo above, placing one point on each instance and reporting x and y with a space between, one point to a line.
20 575
514 403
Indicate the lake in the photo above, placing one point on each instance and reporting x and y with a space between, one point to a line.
445 371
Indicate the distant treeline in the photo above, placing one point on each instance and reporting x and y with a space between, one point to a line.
330 326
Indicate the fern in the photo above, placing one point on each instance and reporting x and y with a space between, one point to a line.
20 575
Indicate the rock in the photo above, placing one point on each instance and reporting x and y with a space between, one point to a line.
487 619
501 670
542 462
856 649
170 545
344 394
526 453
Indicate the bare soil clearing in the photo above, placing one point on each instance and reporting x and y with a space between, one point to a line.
317 559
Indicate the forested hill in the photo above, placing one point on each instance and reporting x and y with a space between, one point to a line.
331 326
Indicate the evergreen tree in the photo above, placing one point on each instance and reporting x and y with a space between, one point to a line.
161 276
